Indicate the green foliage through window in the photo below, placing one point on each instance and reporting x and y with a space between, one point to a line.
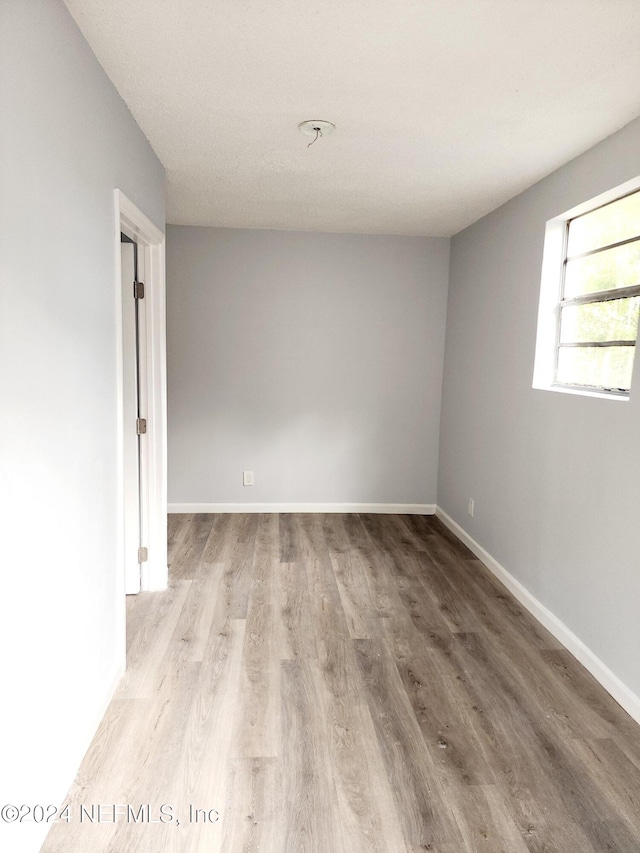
600 306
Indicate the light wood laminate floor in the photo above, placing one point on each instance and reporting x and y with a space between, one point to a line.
350 683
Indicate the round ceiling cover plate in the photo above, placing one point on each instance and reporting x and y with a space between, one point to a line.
311 127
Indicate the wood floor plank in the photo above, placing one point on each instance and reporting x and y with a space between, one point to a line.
137 607
297 638
333 642
398 536
442 531
101 778
545 696
152 780
312 537
424 812
350 684
193 627
578 790
484 820
233 547
446 713
334 529
185 553
616 778
148 652
360 610
589 705
257 731
290 541
203 775
529 762
309 789
254 813
368 814
420 526
458 611
178 526
488 595
498 611
223 535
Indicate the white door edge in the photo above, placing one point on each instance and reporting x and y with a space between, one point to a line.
151 249
131 444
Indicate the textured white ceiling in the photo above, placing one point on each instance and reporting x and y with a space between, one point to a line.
443 108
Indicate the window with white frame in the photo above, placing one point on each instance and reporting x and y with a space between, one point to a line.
595 317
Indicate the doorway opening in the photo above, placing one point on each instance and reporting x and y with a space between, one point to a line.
141 372
134 415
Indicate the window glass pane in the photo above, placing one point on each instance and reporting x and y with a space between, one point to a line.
619 267
614 320
609 224
600 367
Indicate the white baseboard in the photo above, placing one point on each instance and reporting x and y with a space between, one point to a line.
623 695
389 509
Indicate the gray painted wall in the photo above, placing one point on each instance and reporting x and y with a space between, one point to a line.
555 478
66 141
314 360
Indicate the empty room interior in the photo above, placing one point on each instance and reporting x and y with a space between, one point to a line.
320 440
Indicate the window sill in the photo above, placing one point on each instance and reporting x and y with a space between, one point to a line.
583 392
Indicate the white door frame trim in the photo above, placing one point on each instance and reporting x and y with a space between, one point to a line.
151 242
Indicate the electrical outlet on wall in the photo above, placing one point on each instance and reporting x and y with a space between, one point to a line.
472 505
247 478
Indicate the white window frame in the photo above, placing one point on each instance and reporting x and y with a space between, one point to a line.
551 292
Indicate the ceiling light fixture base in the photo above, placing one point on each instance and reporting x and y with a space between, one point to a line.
313 127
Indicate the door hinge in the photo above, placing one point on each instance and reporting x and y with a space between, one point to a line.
141 426
138 290
143 555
